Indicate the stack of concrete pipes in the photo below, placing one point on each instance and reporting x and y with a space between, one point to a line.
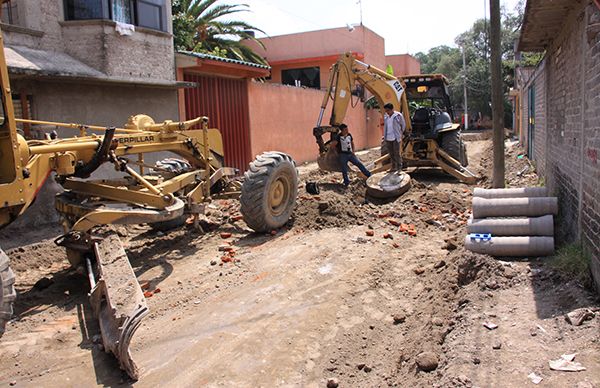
512 222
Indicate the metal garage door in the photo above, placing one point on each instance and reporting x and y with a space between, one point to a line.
225 102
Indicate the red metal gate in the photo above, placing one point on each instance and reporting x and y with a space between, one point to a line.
225 102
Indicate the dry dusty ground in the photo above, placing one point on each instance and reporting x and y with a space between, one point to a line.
319 300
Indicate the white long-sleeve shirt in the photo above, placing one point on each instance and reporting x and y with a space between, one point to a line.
393 127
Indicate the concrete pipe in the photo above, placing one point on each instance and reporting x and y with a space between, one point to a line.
514 207
511 193
512 246
536 226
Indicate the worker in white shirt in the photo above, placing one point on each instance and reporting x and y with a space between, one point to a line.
393 128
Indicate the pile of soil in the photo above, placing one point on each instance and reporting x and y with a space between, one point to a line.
391 353
338 206
519 170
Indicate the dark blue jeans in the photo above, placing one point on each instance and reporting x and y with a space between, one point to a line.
344 159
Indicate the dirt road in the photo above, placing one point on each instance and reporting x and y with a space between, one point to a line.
319 300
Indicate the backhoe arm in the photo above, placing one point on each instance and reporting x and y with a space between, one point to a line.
347 72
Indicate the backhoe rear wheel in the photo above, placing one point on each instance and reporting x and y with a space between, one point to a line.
7 291
453 145
269 191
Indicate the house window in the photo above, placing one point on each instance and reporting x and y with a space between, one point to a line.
151 14
307 76
143 13
122 11
9 12
86 9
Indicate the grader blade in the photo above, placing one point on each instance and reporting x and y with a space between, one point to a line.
117 301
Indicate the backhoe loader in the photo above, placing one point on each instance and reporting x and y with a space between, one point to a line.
431 139
149 194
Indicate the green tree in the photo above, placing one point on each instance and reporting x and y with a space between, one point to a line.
448 61
202 26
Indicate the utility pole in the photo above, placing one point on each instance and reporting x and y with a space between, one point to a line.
465 87
359 2
497 95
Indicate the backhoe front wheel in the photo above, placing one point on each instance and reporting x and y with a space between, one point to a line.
7 291
269 191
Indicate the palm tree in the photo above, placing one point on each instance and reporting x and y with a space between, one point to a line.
198 26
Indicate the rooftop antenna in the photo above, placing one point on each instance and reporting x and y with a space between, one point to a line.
359 2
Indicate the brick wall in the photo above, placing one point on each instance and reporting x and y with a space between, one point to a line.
537 83
590 195
567 131
565 124
539 149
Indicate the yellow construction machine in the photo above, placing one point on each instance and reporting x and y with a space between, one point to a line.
431 139
141 193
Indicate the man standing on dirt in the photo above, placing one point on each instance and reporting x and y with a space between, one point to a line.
345 147
393 128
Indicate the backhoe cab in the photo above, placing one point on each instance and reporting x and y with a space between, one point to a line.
431 114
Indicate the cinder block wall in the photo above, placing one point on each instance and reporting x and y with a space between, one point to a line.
567 131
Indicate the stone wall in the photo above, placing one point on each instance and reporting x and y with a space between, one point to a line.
146 54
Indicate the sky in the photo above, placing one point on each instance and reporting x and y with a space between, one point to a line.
408 26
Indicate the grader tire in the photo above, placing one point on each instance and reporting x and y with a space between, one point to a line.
7 291
269 191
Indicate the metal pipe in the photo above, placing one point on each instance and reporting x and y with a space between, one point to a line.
514 207
142 180
174 125
88 264
511 193
530 246
377 71
320 119
535 226
74 126
63 147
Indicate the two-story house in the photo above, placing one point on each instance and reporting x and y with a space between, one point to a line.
90 61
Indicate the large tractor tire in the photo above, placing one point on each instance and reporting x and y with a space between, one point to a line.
453 145
7 291
269 191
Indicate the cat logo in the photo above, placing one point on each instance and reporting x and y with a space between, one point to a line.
138 139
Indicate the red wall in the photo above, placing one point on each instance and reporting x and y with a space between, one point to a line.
404 64
282 118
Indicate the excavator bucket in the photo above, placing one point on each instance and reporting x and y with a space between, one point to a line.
117 300
329 161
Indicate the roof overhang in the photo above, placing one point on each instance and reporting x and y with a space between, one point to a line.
41 65
543 22
325 58
205 64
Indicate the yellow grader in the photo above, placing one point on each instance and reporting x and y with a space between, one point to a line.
156 195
